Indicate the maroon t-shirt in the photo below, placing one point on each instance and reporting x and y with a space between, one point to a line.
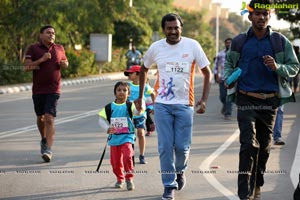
47 79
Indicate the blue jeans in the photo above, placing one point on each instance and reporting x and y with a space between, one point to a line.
278 123
223 98
174 133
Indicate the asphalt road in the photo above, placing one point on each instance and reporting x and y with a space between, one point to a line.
211 175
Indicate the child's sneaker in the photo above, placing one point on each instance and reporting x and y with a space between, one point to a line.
142 159
148 133
129 185
120 184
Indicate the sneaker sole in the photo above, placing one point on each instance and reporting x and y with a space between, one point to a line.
130 188
164 198
46 158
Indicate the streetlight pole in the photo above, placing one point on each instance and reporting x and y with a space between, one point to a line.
217 28
218 7
130 3
130 39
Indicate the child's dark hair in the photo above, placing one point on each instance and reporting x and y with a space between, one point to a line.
170 17
123 84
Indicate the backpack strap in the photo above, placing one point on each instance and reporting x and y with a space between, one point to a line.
129 104
277 42
274 38
238 45
108 110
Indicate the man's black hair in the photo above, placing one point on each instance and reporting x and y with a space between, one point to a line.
227 39
253 2
171 17
45 27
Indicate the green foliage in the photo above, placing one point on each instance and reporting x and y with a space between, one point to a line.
229 28
12 72
134 28
81 63
290 15
118 62
75 20
153 11
194 27
239 25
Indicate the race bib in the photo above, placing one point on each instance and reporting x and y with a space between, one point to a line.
120 124
178 67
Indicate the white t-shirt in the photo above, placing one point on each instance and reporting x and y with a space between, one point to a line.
176 69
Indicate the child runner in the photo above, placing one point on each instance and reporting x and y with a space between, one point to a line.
150 126
121 135
139 122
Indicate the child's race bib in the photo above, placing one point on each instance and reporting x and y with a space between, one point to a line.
120 123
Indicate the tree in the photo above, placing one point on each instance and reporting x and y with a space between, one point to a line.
75 20
292 15
132 29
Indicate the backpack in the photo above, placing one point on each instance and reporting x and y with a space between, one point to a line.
109 111
277 42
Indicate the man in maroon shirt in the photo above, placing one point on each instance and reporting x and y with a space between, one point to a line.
45 59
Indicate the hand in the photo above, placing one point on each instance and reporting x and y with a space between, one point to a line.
138 104
63 63
218 78
270 62
111 130
46 57
229 86
200 107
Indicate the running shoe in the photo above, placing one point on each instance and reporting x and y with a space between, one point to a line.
47 155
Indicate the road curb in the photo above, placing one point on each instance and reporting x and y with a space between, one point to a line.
28 86
11 89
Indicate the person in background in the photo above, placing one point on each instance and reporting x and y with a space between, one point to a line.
277 130
176 58
45 59
133 57
150 126
266 60
219 73
294 82
139 121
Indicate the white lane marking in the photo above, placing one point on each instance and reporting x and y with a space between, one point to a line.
205 165
294 175
18 131
65 90
17 99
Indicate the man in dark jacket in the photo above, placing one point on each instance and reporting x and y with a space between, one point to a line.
267 60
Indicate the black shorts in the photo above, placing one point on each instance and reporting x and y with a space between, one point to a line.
45 103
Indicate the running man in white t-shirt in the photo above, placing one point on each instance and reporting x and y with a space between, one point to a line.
176 58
